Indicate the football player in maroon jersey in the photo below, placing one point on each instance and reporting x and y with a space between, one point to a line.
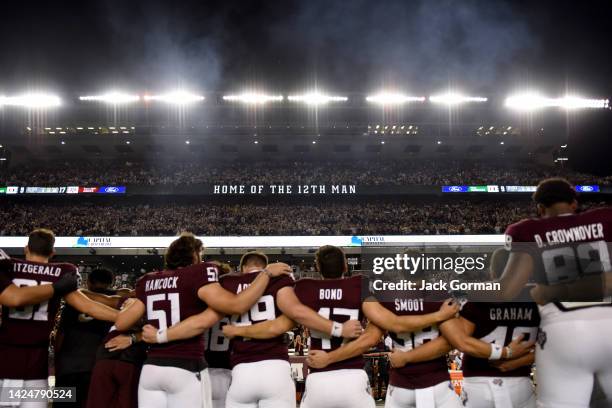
487 333
25 331
331 262
175 373
217 354
263 358
12 295
559 247
115 375
344 382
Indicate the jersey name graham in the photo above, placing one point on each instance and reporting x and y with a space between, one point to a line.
499 323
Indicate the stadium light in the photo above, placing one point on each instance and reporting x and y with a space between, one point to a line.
534 101
387 98
253 98
176 98
31 100
316 98
575 102
114 98
455 99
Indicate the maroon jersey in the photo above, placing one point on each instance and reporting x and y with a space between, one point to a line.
426 373
251 350
499 323
24 332
172 296
135 354
334 299
217 346
566 247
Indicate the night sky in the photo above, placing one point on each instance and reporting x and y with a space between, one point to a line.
485 47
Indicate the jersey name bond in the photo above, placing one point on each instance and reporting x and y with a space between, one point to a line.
330 294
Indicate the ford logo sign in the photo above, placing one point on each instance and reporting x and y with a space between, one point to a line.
586 188
455 189
111 189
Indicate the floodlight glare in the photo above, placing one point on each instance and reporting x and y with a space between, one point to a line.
533 101
114 98
455 99
386 98
253 98
315 98
31 100
574 102
176 98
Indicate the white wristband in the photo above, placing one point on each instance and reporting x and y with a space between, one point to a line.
336 330
162 336
496 352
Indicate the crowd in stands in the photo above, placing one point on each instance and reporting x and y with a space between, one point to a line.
456 217
370 172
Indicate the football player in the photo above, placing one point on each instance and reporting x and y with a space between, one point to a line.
175 374
217 355
12 295
25 331
559 247
331 263
339 383
263 358
487 333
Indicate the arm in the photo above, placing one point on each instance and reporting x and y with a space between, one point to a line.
511 365
587 289
428 351
227 302
12 295
290 305
186 329
264 330
94 309
387 320
110 301
15 296
459 331
123 341
370 337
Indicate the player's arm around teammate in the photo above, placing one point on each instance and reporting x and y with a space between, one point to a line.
216 297
291 306
190 327
428 351
263 330
458 332
368 339
12 295
388 320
